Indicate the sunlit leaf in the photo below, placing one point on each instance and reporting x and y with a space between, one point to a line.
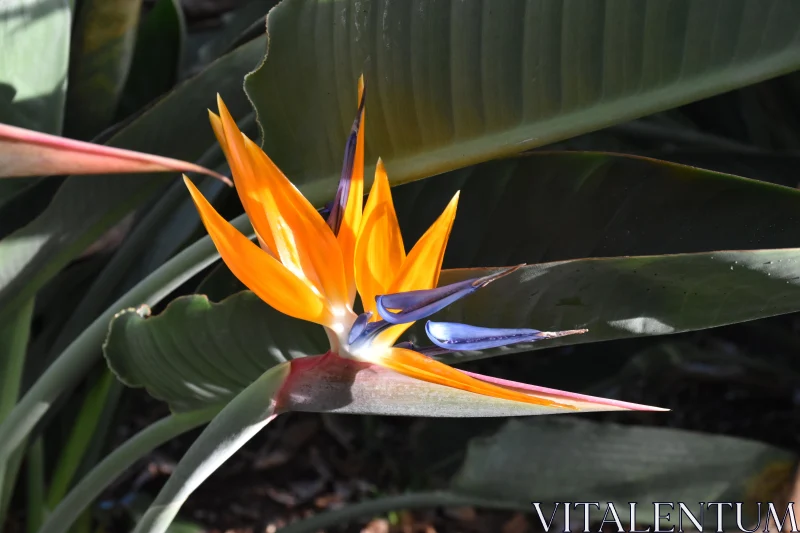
32 93
213 351
456 83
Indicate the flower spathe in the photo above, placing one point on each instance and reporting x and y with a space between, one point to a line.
311 268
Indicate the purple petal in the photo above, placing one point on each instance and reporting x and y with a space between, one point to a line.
416 305
366 333
359 326
343 192
454 336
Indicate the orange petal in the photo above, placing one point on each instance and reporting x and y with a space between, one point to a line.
259 271
247 185
416 365
421 268
303 241
299 229
351 221
379 249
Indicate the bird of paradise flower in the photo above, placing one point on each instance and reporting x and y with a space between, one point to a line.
311 268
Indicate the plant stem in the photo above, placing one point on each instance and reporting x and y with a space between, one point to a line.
380 506
88 488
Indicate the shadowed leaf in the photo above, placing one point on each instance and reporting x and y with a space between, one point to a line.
102 51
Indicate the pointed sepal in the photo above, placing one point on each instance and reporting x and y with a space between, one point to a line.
329 383
404 307
31 153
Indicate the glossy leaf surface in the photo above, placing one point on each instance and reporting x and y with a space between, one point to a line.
456 83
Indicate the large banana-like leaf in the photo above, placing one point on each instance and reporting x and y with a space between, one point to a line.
622 297
215 350
455 83
198 353
610 205
567 205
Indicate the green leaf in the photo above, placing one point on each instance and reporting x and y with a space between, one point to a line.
12 189
614 298
623 297
197 353
86 206
32 93
773 168
156 58
551 459
566 205
158 235
237 423
556 460
84 428
14 336
117 462
562 205
36 508
549 206
237 27
455 83
102 51
141 502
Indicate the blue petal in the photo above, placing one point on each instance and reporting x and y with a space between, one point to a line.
416 305
343 192
454 336
366 333
358 326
